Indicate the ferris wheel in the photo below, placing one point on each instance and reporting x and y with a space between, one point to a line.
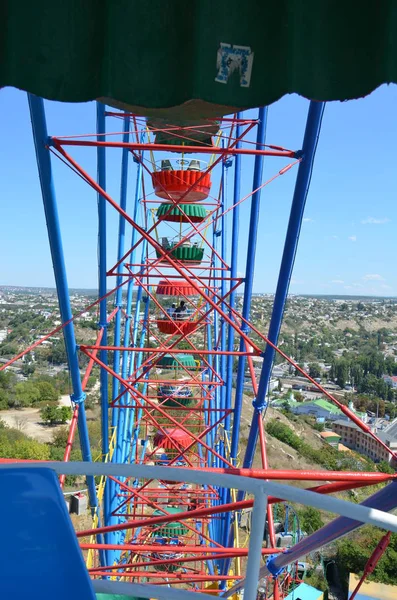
176 353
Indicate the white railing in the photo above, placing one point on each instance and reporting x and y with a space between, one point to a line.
260 489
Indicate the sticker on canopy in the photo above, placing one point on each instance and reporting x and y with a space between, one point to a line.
234 58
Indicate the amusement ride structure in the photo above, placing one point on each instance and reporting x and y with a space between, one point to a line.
175 477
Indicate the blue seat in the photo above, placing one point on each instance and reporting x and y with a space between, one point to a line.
39 554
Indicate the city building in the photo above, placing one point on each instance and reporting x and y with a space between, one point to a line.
322 409
354 438
331 438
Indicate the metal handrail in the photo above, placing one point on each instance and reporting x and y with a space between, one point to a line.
260 489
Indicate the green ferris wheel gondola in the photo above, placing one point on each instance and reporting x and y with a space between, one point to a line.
189 254
172 529
195 212
177 361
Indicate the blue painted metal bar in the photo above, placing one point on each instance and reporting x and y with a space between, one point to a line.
249 276
312 132
136 423
101 178
233 270
102 289
385 499
222 329
40 136
127 356
120 419
248 285
223 341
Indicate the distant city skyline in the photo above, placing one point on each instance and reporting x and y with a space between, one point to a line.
347 244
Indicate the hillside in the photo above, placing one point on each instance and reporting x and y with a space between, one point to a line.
280 455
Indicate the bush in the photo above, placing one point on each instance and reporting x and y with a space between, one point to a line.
310 519
353 554
55 414
384 467
318 426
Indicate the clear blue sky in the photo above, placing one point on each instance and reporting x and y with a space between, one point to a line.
348 243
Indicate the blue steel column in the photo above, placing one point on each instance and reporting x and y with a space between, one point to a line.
249 276
312 132
127 356
102 289
40 135
233 270
248 284
118 415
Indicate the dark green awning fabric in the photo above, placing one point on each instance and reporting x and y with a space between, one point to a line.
197 58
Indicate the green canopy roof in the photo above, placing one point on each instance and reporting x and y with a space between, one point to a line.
177 361
192 60
195 212
173 528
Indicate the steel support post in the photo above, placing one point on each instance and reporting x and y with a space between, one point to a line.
40 136
312 132
130 290
102 289
120 418
233 270
248 285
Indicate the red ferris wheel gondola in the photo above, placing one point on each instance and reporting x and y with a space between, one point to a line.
190 184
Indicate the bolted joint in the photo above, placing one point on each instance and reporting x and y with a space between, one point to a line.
271 566
299 154
78 399
102 325
218 233
259 407
227 162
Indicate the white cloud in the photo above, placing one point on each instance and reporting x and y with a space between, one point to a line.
373 277
375 221
360 285
384 286
296 281
347 287
308 220
352 238
337 281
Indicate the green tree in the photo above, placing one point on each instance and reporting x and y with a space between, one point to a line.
65 413
315 370
57 353
60 438
26 394
310 519
30 450
55 414
384 467
49 414
48 393
27 369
